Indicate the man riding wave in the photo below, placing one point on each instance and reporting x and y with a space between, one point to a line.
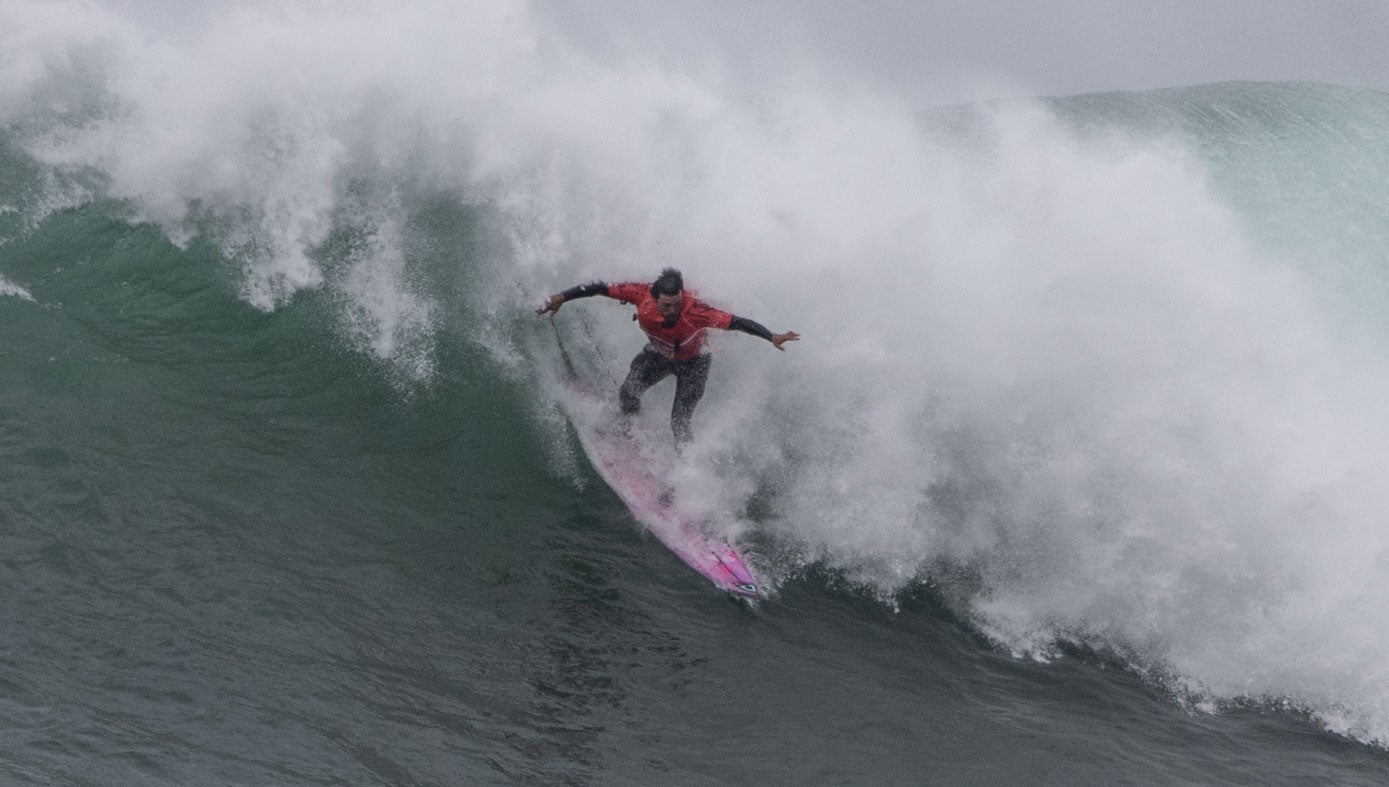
675 323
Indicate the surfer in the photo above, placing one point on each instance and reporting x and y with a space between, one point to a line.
675 322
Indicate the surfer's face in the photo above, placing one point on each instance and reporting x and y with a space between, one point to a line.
670 306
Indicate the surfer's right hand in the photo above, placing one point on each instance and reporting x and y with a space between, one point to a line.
552 305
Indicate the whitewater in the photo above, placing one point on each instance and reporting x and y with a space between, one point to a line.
1101 378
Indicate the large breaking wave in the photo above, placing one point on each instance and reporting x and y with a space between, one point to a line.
1104 370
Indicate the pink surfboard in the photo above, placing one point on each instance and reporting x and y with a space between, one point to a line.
648 498
622 464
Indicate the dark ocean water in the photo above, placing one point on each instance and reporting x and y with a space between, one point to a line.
287 498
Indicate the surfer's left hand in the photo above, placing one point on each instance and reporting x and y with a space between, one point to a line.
551 306
779 339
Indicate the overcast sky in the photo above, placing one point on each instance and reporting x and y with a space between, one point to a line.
935 51
947 50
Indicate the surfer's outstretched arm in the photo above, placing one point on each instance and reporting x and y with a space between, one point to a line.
582 291
754 328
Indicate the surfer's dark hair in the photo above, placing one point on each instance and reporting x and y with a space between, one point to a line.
668 283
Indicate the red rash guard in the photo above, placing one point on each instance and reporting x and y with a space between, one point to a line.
686 337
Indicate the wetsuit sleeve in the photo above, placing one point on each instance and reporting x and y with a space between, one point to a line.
749 327
585 291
